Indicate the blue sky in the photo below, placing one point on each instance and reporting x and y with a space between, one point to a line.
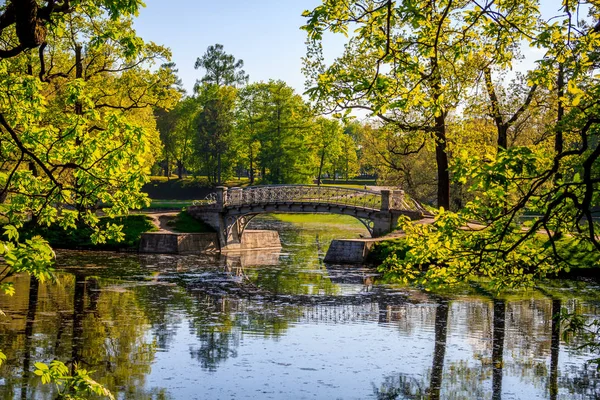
264 33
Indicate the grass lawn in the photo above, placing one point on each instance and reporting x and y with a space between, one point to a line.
169 204
185 223
317 219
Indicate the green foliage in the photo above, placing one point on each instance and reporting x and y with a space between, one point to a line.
178 189
278 128
71 387
388 249
76 132
222 69
328 139
75 128
529 148
127 232
216 142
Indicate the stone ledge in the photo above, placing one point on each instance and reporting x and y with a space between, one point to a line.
179 243
349 251
205 243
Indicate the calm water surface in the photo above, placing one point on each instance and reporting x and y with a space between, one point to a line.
285 326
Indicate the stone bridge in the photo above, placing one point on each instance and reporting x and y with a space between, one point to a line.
229 210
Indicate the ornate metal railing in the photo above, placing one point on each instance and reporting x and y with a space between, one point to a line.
304 194
209 200
273 194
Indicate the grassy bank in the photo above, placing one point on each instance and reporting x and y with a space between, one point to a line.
79 239
169 204
185 223
318 219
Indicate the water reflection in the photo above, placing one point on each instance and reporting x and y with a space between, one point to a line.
285 326
499 322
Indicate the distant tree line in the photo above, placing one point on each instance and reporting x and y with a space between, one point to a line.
264 131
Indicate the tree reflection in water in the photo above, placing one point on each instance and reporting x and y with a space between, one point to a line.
555 348
499 322
464 380
30 319
113 314
439 350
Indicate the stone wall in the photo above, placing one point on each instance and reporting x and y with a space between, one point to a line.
348 251
205 243
179 243
254 240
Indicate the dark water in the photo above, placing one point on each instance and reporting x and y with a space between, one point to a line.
285 326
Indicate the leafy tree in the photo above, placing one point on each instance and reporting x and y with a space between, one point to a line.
74 120
166 123
407 63
553 173
248 124
222 69
177 129
400 160
284 132
327 140
347 163
216 141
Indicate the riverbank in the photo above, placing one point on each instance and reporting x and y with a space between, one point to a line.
80 239
134 226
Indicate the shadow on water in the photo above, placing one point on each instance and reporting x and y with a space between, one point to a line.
288 326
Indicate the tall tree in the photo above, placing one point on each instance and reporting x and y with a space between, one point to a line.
284 133
559 182
222 69
327 141
215 127
407 63
248 124
75 120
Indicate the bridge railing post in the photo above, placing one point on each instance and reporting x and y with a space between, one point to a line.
385 199
221 196
234 196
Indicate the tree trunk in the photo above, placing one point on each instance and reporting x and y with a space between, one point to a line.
167 164
179 169
321 168
439 349
558 140
499 319
251 175
441 156
78 75
219 168
501 127
79 111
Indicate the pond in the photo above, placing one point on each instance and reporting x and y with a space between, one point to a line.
283 325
